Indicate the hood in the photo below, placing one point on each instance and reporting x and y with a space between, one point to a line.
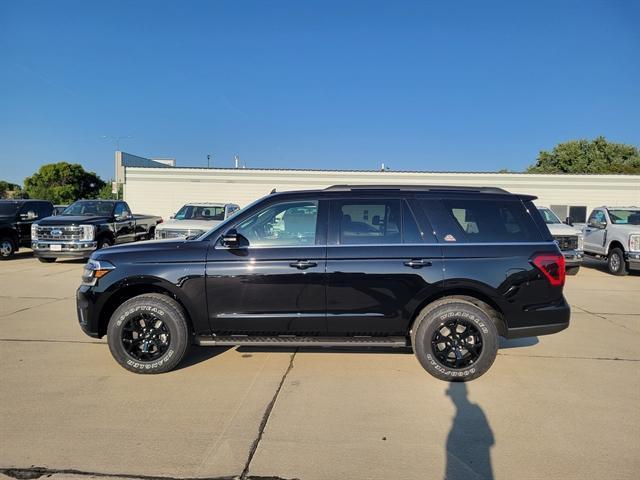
72 220
138 247
628 229
563 229
188 224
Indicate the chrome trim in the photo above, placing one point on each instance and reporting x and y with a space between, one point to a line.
444 244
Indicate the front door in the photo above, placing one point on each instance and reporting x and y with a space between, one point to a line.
124 224
595 232
273 283
380 264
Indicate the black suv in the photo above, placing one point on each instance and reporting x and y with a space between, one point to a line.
446 270
16 218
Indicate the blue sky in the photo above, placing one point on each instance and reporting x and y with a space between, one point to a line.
465 85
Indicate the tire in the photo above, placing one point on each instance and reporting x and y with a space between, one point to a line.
573 270
7 248
46 260
104 243
168 341
475 317
615 262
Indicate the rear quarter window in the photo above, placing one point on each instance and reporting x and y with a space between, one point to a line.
490 221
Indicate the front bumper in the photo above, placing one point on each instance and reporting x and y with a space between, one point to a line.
634 260
69 249
85 308
573 258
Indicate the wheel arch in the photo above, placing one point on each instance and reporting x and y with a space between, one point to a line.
615 244
134 289
469 294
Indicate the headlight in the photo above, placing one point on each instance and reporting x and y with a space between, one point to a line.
194 233
95 269
580 241
634 242
158 234
34 232
88 233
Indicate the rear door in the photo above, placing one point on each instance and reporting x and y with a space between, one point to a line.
380 264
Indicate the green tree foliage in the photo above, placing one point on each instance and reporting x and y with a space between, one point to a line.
584 156
11 190
106 192
63 183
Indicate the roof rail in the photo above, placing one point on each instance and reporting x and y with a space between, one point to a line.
436 188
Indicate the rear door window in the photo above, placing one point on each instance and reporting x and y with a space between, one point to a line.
489 221
365 222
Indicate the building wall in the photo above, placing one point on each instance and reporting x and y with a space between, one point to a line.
163 191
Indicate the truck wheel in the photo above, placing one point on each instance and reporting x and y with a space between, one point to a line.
46 260
7 248
573 270
616 263
148 334
104 243
455 340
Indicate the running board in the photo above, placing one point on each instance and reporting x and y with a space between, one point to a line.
297 341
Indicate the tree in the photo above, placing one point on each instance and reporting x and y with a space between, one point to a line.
63 183
11 190
584 156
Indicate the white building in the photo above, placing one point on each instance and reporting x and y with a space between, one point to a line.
161 188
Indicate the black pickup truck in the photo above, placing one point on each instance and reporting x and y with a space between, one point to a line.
16 217
89 225
446 270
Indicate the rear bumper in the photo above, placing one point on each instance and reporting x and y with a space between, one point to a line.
542 321
54 249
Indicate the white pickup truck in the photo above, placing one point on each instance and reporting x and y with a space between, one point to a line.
570 240
613 234
193 219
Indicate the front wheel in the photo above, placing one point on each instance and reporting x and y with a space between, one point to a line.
104 243
616 263
148 334
7 248
455 340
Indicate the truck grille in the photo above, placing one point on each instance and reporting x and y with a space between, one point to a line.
59 233
569 242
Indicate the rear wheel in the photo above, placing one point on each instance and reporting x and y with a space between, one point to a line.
455 340
7 248
616 263
148 334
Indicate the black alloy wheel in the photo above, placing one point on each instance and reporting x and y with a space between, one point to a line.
145 337
456 343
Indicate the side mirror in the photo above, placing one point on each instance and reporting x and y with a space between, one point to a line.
569 221
230 239
172 216
30 215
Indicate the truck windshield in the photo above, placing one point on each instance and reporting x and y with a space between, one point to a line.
625 216
89 208
549 217
8 208
200 212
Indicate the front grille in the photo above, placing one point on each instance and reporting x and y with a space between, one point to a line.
172 233
59 233
569 242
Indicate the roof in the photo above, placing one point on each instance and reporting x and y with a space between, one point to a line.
129 160
418 188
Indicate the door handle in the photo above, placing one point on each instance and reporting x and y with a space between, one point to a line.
417 263
303 264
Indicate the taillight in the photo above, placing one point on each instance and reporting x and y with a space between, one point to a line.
552 266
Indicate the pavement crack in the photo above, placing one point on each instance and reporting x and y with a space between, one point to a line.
609 359
263 423
33 473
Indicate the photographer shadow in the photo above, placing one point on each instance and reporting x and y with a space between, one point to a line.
470 439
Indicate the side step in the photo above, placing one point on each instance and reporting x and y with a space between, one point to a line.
298 341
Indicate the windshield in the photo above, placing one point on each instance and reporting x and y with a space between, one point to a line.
625 216
89 208
549 217
8 208
200 212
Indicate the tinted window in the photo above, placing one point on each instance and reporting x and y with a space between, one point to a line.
120 209
367 221
282 224
597 216
578 214
492 220
410 230
46 210
200 212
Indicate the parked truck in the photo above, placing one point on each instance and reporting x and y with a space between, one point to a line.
570 240
89 225
16 218
613 234
194 219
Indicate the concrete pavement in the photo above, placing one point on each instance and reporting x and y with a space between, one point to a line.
561 406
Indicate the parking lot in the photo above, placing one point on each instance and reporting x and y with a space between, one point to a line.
563 406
